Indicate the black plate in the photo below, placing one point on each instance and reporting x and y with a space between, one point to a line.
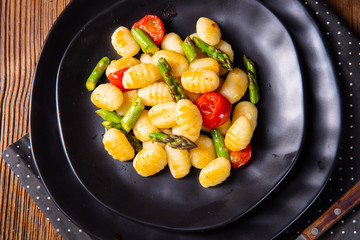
156 200
283 206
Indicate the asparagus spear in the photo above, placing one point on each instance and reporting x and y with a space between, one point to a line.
97 73
174 141
174 86
215 53
254 92
189 49
146 43
109 116
135 143
221 150
132 114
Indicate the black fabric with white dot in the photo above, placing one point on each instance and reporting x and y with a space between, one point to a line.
19 159
344 47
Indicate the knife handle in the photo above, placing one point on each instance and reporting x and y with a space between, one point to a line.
347 202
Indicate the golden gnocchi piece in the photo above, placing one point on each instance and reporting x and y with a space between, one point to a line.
200 81
117 145
163 115
116 65
129 97
107 96
143 127
208 31
188 117
239 134
205 63
124 43
217 171
249 110
146 58
178 131
141 75
150 160
173 42
177 61
235 85
155 93
204 153
178 161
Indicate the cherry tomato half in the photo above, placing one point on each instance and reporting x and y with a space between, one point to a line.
116 78
239 158
214 108
153 26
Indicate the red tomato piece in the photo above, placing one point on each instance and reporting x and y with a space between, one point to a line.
214 108
239 158
116 78
153 27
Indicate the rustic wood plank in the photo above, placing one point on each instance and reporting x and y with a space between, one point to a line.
24 27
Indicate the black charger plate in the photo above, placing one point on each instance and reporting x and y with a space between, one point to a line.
156 200
285 204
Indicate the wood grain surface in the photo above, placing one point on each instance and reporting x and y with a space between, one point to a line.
24 27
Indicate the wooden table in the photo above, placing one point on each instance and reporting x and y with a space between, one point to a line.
24 27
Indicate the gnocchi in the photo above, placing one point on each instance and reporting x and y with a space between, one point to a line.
178 161
204 153
235 85
124 43
116 65
208 31
239 134
188 117
217 171
155 93
163 115
107 96
117 145
150 160
177 61
172 41
200 81
140 75
249 110
143 127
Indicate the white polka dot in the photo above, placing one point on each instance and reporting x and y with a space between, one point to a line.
57 230
58 219
37 197
80 230
69 230
38 187
47 208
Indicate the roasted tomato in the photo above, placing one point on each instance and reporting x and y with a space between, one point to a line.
116 78
239 158
214 108
153 27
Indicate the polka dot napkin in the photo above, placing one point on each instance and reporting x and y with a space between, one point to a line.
345 48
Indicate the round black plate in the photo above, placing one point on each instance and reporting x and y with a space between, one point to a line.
156 200
276 212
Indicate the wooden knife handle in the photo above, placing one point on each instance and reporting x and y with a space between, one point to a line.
347 202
